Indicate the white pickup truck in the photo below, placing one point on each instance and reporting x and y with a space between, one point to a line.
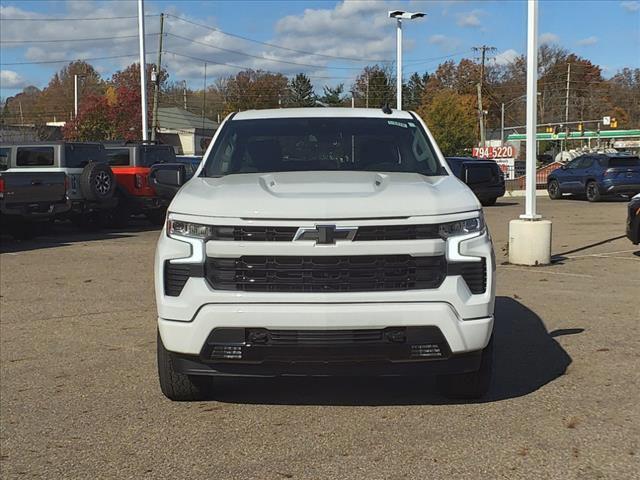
323 241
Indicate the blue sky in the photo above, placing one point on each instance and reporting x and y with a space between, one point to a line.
606 32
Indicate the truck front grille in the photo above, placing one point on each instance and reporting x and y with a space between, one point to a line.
325 273
286 234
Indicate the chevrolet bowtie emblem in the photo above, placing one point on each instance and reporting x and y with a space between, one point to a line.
325 234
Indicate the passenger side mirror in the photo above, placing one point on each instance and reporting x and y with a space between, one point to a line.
563 167
477 174
167 178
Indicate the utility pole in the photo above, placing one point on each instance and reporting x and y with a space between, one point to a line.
184 94
367 95
21 115
75 96
566 107
143 70
204 93
483 49
481 116
502 124
156 90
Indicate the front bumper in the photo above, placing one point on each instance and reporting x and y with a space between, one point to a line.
186 320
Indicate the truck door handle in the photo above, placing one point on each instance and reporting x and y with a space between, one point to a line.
36 182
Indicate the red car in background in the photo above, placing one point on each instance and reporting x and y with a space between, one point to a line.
131 163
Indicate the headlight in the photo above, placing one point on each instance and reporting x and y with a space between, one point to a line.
462 227
187 229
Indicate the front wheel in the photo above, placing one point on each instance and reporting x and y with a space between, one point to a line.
554 190
592 192
176 385
472 384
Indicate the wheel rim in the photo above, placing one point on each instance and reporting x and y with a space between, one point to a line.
553 189
591 190
102 183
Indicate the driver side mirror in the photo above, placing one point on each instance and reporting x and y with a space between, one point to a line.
167 178
563 167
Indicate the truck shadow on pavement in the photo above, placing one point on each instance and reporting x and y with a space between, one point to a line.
527 357
61 235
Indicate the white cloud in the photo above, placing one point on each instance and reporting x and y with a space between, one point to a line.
357 29
587 41
470 19
11 79
444 42
547 38
631 6
508 56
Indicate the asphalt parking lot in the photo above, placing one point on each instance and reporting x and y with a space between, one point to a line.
80 397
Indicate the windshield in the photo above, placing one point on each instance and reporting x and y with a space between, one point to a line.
322 144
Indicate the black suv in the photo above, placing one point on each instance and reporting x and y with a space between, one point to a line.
484 177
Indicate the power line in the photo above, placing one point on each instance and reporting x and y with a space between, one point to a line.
54 19
277 60
243 67
335 57
75 39
72 60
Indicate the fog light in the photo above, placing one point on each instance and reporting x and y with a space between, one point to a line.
426 350
229 352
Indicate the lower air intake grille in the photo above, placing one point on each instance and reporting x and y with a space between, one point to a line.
473 273
360 273
175 277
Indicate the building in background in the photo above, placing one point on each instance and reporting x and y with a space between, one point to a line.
189 133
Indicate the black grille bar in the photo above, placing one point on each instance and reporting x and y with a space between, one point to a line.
240 233
474 274
397 232
325 273
175 277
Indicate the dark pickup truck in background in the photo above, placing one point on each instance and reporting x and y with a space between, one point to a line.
483 177
26 198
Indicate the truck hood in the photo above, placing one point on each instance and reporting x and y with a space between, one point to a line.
323 195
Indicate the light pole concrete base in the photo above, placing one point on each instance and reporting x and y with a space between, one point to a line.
530 242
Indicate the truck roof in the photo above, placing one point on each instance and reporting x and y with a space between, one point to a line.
321 112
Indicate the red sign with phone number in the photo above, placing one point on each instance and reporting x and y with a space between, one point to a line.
506 151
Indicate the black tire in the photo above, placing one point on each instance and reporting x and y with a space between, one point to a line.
157 216
487 202
178 386
469 385
592 192
553 188
97 182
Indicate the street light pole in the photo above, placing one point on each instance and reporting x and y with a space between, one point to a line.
399 64
530 236
143 70
400 15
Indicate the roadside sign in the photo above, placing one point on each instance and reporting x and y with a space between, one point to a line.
505 151
606 121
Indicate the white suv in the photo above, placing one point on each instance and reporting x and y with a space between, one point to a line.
323 241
